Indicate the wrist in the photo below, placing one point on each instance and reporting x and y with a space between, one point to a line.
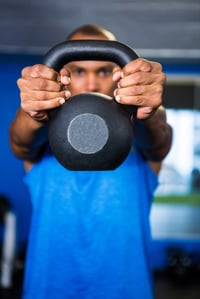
34 122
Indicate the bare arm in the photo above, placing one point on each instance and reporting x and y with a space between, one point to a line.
153 136
27 136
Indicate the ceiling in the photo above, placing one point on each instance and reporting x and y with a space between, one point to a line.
154 28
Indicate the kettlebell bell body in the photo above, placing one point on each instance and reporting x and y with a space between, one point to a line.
91 131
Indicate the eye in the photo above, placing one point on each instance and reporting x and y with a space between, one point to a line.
79 72
105 72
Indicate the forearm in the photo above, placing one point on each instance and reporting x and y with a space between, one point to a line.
153 136
27 136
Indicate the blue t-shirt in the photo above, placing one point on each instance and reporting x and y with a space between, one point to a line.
90 232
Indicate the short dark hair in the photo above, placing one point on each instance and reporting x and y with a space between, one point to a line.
93 30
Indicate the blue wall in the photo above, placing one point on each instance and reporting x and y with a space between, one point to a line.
11 174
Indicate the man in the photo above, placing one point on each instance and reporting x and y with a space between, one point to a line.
90 231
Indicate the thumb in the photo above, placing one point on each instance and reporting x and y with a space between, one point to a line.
116 74
64 76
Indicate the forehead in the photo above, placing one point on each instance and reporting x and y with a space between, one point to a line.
80 36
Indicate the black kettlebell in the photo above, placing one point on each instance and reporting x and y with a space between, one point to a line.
91 131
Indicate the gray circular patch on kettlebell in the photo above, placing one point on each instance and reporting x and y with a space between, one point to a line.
87 133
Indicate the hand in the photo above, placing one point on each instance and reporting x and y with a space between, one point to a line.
140 83
41 90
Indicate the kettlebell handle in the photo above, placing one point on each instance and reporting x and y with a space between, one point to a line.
77 50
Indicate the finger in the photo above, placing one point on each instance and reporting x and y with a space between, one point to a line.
40 70
43 95
156 67
39 84
65 71
132 90
141 78
140 100
116 74
136 65
145 112
66 80
143 65
140 89
64 76
39 116
38 106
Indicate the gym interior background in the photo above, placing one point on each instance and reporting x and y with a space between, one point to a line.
166 31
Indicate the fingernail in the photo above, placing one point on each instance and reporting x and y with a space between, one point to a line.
147 109
67 94
65 79
117 98
116 76
62 101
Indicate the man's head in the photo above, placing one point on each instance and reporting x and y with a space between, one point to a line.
91 31
91 76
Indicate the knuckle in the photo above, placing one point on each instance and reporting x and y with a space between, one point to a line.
32 113
137 78
164 77
156 67
161 77
38 68
136 90
25 70
139 101
19 82
24 98
41 84
158 89
41 95
24 105
160 68
157 102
